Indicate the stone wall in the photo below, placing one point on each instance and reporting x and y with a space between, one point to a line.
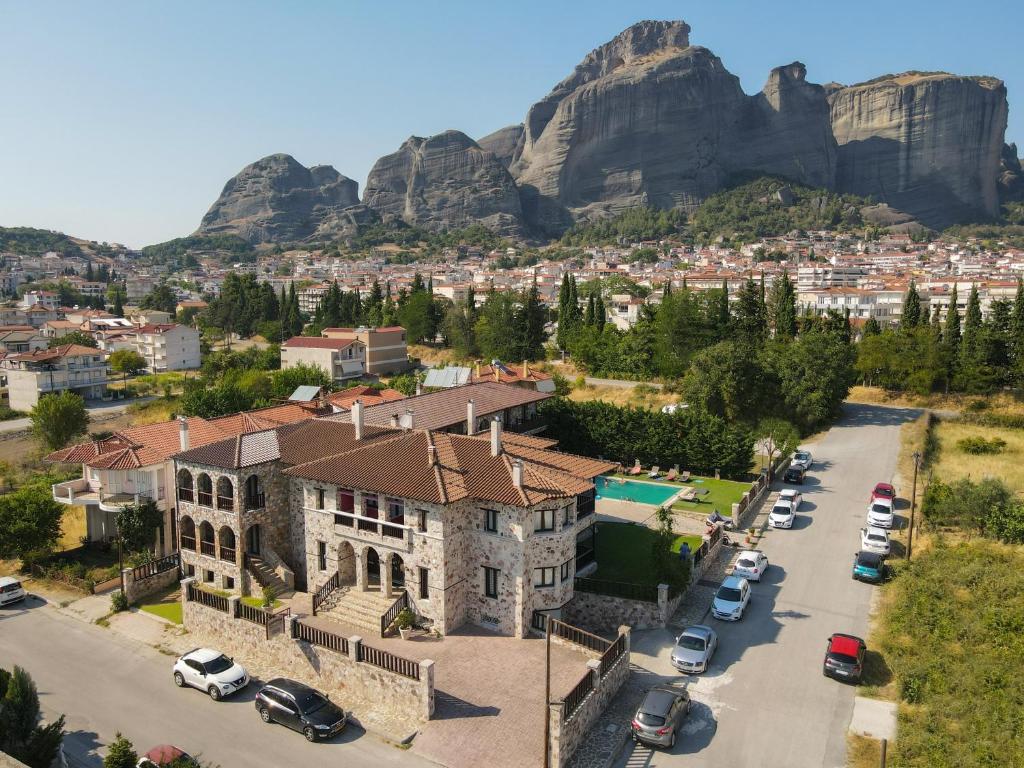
371 693
603 613
135 590
565 736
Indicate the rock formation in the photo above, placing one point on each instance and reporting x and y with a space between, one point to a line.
648 119
445 182
503 143
925 143
1011 176
277 199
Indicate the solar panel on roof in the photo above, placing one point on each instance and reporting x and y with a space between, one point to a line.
304 394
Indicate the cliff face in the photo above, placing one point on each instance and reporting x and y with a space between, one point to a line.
445 182
277 199
503 143
648 119
1011 176
928 144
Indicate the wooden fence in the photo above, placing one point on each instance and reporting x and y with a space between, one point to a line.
319 637
574 699
210 600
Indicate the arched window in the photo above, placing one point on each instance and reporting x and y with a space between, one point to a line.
254 496
206 545
225 493
185 485
204 487
227 544
188 532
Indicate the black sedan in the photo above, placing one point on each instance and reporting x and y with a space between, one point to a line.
301 708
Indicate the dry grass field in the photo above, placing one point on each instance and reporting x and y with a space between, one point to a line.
638 397
952 463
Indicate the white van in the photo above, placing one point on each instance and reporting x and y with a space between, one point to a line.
10 590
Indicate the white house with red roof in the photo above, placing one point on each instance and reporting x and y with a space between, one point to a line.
30 375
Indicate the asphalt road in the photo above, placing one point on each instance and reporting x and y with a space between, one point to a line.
105 683
98 410
764 702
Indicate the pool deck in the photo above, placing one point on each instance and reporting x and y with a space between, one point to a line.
619 511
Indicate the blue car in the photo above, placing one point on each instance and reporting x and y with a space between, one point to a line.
868 566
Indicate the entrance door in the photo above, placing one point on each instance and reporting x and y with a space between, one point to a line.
372 567
252 540
397 572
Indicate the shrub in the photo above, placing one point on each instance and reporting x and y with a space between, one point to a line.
580 382
118 602
269 595
979 445
405 619
562 385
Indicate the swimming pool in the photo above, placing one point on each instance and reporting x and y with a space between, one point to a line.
630 490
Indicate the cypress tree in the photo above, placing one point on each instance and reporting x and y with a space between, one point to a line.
972 327
724 317
911 317
951 336
1016 330
588 318
750 322
118 303
666 289
562 336
599 313
783 307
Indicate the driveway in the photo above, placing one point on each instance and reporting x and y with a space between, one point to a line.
106 683
765 702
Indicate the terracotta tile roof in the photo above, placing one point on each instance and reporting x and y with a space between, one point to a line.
368 395
508 374
57 353
447 407
311 342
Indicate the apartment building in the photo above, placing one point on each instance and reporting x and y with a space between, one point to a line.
486 528
343 359
309 298
385 348
21 338
44 299
30 375
168 347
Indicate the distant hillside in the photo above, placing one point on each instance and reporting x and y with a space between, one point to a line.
229 247
28 241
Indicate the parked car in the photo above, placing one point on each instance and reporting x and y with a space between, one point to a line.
210 671
844 657
731 599
801 459
11 590
751 565
883 491
874 539
794 475
660 715
694 649
166 755
793 496
868 566
880 513
782 514
300 708
673 407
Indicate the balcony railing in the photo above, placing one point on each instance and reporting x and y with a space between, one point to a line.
227 554
205 499
185 494
225 502
256 501
188 542
207 548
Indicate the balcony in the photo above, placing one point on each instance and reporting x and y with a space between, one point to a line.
208 548
226 553
225 502
390 532
205 499
255 501
75 491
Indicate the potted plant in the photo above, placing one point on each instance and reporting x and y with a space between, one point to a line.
405 621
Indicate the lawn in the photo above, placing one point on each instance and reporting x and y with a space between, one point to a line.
952 463
170 610
624 552
722 494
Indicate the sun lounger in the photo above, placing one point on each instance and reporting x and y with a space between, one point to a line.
672 474
655 471
690 494
635 470
685 477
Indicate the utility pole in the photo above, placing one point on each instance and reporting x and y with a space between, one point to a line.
547 688
913 506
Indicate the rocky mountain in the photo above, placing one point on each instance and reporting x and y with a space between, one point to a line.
925 143
445 182
277 199
1011 176
503 143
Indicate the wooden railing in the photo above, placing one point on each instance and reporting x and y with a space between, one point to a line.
185 494
574 699
256 501
393 531
188 542
249 613
157 566
205 499
392 613
208 599
578 636
208 548
612 655
319 637
389 661
645 592
225 502
325 591
227 554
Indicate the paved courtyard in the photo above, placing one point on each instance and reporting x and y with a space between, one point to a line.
489 688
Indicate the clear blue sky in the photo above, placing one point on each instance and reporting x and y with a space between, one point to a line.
121 121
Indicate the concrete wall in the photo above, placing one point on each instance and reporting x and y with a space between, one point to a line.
371 693
566 735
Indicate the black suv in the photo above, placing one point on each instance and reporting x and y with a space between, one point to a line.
794 475
301 708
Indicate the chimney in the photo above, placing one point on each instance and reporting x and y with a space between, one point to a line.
526 369
517 473
470 417
394 420
183 432
357 418
419 387
497 372
478 369
432 455
410 419
495 436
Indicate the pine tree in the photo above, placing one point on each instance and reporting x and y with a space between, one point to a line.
120 754
417 283
911 317
750 322
871 327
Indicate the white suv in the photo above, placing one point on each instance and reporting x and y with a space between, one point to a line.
11 590
880 513
210 671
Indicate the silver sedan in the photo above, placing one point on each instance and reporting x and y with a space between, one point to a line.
694 649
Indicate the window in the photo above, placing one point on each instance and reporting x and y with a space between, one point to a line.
566 519
370 505
319 498
491 520
543 577
342 520
544 520
424 584
346 500
423 521
190 571
396 509
490 582
208 577
321 555
229 582
566 570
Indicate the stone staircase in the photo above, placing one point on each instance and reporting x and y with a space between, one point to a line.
358 609
266 576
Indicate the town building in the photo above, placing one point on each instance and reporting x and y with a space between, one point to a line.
342 359
30 375
385 348
168 347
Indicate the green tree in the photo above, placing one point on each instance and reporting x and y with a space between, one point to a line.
287 380
29 522
57 418
120 754
600 315
127 361
21 735
80 338
119 297
724 380
778 437
911 316
161 298
417 316
137 524
749 322
871 327
782 307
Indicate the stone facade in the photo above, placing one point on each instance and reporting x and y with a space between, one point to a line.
566 735
135 590
368 691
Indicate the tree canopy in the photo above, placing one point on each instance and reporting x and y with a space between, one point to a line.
57 418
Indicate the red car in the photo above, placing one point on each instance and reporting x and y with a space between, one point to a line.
883 491
844 657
